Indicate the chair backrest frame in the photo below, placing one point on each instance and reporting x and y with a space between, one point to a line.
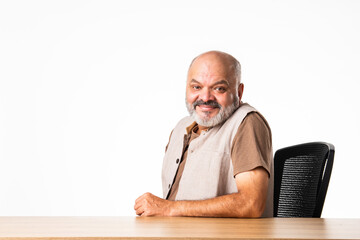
324 178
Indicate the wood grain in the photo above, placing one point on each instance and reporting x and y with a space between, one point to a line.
176 228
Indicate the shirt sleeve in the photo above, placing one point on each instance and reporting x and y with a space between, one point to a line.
252 145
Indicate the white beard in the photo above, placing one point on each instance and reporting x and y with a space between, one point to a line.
220 117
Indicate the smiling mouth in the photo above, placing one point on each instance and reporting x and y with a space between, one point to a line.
206 108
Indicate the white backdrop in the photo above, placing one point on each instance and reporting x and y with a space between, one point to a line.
90 90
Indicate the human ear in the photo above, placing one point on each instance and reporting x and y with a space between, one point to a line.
240 91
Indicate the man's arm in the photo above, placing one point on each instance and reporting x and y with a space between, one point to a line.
249 201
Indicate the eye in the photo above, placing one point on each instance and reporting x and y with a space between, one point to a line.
196 87
220 89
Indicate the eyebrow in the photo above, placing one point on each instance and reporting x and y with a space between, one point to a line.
216 83
194 81
222 82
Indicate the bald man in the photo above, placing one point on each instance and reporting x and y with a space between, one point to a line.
218 162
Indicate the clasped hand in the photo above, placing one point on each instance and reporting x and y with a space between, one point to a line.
151 205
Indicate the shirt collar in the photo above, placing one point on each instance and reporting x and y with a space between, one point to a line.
191 127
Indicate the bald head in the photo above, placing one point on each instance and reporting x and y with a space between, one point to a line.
229 65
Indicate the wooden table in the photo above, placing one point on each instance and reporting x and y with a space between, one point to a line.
176 228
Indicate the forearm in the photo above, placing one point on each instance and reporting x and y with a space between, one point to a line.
248 202
232 205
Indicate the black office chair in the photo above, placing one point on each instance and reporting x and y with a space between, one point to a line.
301 178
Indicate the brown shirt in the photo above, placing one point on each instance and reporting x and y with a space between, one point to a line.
251 148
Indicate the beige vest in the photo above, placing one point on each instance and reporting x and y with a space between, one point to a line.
208 172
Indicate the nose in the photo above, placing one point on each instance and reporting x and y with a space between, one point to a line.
206 95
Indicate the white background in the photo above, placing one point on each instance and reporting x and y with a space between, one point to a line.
90 90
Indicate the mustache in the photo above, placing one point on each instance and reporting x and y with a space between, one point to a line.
211 103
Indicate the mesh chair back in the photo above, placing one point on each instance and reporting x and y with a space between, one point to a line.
301 179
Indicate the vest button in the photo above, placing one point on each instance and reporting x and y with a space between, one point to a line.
177 160
169 186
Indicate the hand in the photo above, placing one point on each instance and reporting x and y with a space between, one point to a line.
151 205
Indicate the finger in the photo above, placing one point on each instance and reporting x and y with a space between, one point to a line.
137 205
138 199
145 214
141 197
139 211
